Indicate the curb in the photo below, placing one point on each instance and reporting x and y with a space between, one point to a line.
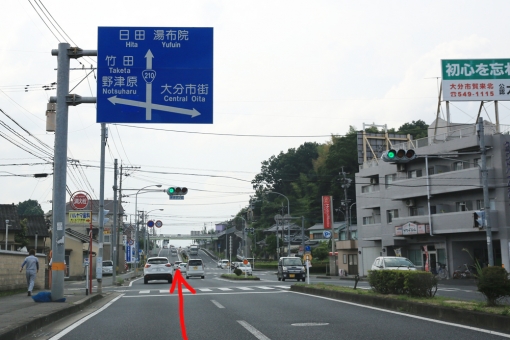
494 322
42 321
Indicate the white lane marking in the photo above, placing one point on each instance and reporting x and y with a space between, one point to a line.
253 330
244 288
303 324
217 304
76 324
144 292
225 289
131 283
264 287
205 289
409 315
202 294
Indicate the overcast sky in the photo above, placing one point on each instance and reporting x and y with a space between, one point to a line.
301 69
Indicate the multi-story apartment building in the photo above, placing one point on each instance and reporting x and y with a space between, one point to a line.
392 200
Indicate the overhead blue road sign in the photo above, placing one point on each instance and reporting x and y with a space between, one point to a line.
155 75
326 233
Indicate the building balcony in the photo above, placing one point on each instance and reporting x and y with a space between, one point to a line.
348 244
370 232
443 183
448 223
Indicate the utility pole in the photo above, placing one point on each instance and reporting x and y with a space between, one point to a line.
99 257
485 184
346 183
63 99
114 227
119 220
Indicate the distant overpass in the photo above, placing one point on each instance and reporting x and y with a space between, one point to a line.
184 237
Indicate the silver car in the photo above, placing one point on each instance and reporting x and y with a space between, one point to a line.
392 263
107 267
157 268
182 267
195 267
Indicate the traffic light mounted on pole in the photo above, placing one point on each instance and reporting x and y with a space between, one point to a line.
176 193
398 156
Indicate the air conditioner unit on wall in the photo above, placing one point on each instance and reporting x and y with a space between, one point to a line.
410 203
374 180
401 167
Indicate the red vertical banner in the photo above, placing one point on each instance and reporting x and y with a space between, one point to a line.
327 212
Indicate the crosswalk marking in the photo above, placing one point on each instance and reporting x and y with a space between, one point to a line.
145 291
205 289
163 291
225 289
263 287
286 287
244 288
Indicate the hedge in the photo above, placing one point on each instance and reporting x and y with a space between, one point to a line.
403 282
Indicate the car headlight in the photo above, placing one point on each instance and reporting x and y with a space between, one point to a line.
302 270
284 269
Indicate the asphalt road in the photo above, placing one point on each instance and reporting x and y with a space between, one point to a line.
223 309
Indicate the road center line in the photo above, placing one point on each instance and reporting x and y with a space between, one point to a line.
219 305
253 330
76 324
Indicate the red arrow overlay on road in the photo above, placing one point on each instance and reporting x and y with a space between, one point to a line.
178 281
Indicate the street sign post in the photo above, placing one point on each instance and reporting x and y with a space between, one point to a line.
326 233
155 75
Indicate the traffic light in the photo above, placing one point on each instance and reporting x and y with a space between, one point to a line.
398 156
177 191
479 219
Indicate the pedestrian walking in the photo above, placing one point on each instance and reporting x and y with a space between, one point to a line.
32 269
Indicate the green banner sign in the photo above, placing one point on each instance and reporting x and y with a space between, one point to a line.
475 69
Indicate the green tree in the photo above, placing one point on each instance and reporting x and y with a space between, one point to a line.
30 208
21 235
418 129
321 252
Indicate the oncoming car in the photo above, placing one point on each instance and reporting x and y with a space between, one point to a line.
157 268
392 263
246 268
291 268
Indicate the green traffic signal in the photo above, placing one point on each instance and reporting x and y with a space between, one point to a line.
171 191
391 154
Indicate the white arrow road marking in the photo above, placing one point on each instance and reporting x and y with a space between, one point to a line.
193 113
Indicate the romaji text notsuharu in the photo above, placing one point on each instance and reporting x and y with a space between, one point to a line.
489 70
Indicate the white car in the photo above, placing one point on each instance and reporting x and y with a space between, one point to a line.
195 267
392 263
157 268
224 264
182 267
246 268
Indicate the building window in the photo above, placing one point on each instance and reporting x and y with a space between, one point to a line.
368 220
416 211
414 173
431 171
477 162
415 257
391 214
388 179
345 258
106 239
458 166
367 188
463 206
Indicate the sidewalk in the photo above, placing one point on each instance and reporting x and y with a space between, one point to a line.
20 315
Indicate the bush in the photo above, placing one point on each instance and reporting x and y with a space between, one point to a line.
408 282
494 284
238 272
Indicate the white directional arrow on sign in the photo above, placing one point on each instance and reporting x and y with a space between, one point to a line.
149 76
193 113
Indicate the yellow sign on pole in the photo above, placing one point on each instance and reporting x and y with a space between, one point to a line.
79 217
307 257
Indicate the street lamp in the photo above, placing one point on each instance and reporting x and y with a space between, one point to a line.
137 225
288 212
148 236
